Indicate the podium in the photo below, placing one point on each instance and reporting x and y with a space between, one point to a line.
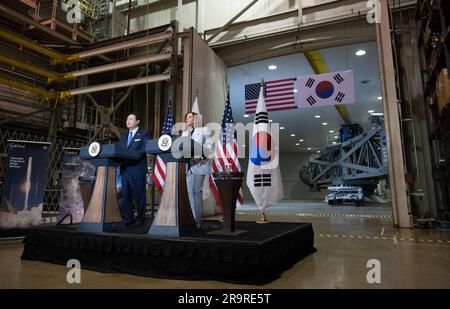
174 214
228 184
103 214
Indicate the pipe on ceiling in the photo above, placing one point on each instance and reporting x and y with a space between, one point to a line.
156 38
15 63
119 84
48 95
119 65
11 37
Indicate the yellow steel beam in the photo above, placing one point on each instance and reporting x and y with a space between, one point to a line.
14 63
22 42
48 95
319 66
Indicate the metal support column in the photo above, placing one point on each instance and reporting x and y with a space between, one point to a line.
400 207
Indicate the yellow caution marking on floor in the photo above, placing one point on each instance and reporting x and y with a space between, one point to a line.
395 238
317 215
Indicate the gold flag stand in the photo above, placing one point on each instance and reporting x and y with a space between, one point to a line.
263 219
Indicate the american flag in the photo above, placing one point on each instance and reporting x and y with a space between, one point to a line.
159 173
226 152
278 94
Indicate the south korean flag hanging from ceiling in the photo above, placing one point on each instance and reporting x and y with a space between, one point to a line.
325 89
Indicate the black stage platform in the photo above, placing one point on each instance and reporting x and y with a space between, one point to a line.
256 257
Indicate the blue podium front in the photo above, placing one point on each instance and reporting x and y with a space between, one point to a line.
103 213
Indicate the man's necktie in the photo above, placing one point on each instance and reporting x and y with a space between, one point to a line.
130 137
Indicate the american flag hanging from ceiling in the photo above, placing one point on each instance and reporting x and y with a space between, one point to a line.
278 94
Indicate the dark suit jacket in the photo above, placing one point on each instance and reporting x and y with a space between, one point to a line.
137 146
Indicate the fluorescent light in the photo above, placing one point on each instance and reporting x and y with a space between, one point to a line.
301 140
360 52
380 98
317 116
246 116
331 131
324 123
371 111
377 114
293 135
309 148
272 67
281 128
334 143
336 137
297 144
318 151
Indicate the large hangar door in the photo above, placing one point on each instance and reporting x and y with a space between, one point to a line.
204 72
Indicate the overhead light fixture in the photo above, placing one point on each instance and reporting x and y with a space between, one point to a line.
318 151
309 148
272 67
293 135
331 131
324 123
336 137
334 143
371 111
246 116
377 114
317 116
380 98
360 52
301 140
281 128
297 144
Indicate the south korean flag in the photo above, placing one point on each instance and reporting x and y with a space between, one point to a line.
325 89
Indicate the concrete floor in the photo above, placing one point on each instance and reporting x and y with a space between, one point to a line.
409 259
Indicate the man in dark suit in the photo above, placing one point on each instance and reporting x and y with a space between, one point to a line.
134 173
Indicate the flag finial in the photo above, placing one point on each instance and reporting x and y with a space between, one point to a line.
262 82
